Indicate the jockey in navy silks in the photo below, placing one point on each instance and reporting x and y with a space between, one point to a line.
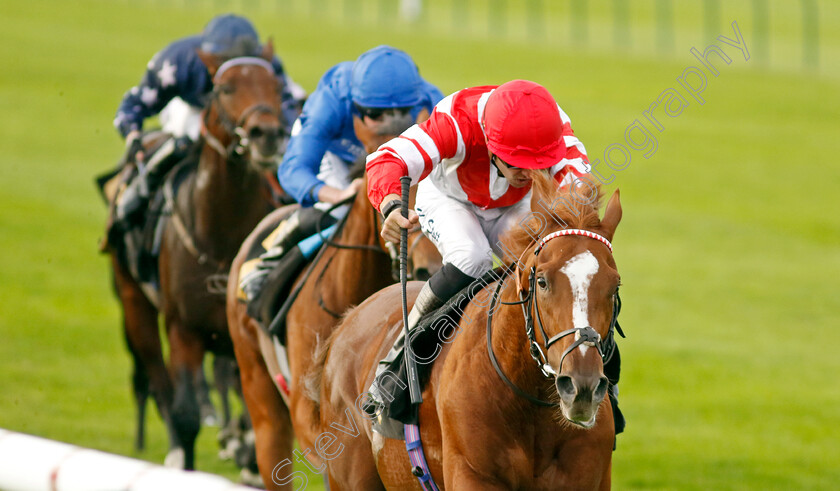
176 86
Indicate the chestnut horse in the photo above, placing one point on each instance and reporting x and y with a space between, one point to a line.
343 276
216 207
480 430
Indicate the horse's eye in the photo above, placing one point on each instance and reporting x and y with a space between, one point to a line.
227 89
542 283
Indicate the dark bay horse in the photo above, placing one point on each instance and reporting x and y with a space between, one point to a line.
341 278
477 431
217 205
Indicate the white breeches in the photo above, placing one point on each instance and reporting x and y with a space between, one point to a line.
181 119
465 235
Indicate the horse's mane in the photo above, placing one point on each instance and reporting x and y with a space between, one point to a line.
554 208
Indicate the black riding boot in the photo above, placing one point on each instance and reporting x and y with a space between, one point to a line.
612 369
134 199
389 383
387 393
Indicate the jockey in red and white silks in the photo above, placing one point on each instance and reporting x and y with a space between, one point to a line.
471 158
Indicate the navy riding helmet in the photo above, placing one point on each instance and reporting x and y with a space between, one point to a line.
229 36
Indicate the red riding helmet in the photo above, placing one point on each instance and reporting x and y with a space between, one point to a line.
523 126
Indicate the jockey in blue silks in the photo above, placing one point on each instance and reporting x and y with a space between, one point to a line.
176 85
383 91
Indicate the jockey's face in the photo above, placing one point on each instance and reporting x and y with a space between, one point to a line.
375 126
515 176
375 117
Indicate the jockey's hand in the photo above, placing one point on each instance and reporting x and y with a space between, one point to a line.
329 194
134 147
395 221
352 189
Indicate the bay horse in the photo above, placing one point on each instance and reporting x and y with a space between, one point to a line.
486 424
343 277
217 205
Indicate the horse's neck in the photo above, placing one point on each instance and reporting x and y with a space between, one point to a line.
226 199
511 345
360 227
368 268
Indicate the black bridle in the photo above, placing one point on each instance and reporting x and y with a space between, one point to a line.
528 301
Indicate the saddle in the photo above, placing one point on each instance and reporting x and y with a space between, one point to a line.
137 241
275 259
112 182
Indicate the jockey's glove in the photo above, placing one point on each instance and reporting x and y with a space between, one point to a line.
134 146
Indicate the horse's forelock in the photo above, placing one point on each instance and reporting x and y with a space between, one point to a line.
554 208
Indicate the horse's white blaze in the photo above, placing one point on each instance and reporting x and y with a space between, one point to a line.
580 270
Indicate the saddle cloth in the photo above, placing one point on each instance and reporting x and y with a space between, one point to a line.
276 258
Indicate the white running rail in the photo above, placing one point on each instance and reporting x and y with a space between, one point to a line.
29 463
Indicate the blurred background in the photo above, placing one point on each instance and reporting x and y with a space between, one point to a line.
729 249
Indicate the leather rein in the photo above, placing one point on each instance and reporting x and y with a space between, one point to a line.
361 247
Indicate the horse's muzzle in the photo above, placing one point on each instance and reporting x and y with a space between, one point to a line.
265 138
580 396
265 143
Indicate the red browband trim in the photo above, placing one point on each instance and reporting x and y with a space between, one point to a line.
573 231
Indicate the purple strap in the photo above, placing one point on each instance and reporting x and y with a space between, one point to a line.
419 467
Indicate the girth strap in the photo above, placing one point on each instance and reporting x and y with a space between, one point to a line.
419 466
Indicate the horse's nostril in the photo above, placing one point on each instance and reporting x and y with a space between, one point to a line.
565 385
264 131
601 390
421 274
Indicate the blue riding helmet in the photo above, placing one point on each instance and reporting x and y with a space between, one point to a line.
230 36
385 77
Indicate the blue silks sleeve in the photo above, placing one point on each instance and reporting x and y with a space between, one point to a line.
321 123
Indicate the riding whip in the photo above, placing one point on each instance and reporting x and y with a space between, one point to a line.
410 367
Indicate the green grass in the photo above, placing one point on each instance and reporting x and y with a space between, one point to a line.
728 249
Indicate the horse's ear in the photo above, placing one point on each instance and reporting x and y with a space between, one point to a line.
268 51
212 62
612 215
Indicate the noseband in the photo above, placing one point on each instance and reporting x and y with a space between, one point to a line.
528 301
235 127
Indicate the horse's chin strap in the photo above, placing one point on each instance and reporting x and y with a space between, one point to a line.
213 141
